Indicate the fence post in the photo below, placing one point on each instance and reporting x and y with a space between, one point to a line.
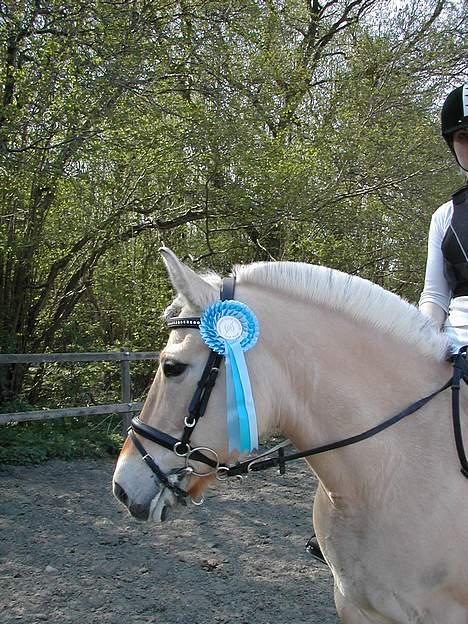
126 386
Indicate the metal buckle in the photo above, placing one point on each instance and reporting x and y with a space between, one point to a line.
222 473
179 454
198 502
189 424
201 449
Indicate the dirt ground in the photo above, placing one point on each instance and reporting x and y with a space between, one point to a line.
69 553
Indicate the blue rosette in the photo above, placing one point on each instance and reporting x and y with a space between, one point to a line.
230 328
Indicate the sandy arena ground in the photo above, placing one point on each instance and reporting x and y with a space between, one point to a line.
70 554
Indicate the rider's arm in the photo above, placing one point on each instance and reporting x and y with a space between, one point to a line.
435 312
435 298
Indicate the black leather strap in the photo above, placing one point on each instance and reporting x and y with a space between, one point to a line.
201 396
166 441
460 371
227 289
155 469
254 466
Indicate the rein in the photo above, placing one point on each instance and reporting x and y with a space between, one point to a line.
199 402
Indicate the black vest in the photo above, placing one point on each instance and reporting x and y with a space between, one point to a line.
455 245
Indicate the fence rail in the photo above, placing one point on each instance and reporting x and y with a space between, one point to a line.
127 407
23 358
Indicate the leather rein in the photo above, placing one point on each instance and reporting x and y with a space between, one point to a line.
197 407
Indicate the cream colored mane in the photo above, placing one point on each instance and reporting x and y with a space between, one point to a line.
354 296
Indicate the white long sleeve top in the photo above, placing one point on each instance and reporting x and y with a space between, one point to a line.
436 289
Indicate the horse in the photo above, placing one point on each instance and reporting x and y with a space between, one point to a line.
336 355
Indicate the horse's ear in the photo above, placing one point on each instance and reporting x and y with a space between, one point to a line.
186 282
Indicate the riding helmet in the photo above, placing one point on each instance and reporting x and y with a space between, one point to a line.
455 112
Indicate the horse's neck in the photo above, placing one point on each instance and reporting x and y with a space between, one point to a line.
345 377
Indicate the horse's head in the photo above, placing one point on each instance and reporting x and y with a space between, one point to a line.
151 476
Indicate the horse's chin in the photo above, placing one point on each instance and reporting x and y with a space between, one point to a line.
165 503
163 506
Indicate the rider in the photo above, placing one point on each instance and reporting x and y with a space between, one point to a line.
445 294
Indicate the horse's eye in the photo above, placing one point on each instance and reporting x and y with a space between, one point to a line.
172 368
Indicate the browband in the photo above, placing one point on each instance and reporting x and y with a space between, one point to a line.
183 321
227 292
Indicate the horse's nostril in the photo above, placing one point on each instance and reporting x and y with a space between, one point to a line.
120 493
140 512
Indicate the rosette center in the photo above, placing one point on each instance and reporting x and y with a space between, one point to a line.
229 328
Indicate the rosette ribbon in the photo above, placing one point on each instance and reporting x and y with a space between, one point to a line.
230 328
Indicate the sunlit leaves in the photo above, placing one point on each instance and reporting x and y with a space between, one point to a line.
231 131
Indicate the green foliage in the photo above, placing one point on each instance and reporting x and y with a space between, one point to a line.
35 442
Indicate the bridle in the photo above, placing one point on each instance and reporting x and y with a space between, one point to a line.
197 407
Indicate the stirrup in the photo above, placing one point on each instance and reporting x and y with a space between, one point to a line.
314 550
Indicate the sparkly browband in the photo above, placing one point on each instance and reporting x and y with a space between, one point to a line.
183 321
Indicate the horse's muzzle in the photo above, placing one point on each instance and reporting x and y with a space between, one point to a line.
153 509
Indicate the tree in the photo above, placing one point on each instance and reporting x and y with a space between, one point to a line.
232 131
67 69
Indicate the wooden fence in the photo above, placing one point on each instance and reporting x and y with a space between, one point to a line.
127 407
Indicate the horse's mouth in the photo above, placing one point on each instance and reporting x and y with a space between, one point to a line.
162 504
155 510
166 500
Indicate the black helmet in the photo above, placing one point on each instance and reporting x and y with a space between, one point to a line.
455 112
